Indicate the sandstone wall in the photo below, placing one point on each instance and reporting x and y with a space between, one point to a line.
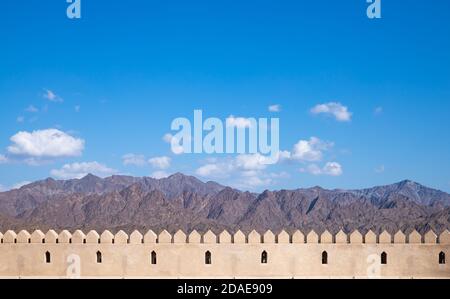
73 255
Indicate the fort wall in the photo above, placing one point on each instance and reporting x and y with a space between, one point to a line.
296 255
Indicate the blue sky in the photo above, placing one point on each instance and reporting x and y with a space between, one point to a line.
112 82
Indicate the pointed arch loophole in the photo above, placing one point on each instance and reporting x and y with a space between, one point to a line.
48 257
324 258
264 257
384 258
153 258
208 260
99 257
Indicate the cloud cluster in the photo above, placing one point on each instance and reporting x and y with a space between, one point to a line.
239 122
250 171
49 143
3 159
245 171
160 174
51 96
274 108
20 185
310 150
32 109
176 148
336 110
79 170
330 168
160 162
134 159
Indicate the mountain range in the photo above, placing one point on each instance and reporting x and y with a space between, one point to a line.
184 202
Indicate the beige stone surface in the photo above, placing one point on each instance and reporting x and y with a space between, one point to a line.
194 237
430 237
136 237
356 237
444 238
283 237
9 237
51 237
164 237
121 237
254 237
37 237
312 237
92 237
239 238
269 237
179 237
150 237
385 238
414 238
64 237
341 237
225 237
78 237
326 238
399 238
106 237
370 237
298 237
209 238
23 237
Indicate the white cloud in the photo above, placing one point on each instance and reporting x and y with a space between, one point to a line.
312 169
32 109
20 185
245 165
274 108
333 169
310 150
252 162
222 168
243 171
239 122
378 110
20 119
252 182
3 159
176 148
133 159
210 170
337 110
330 168
49 143
160 162
79 170
51 96
2 188
280 175
380 169
168 138
159 174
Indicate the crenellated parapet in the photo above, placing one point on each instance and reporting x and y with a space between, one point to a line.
225 237
285 254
